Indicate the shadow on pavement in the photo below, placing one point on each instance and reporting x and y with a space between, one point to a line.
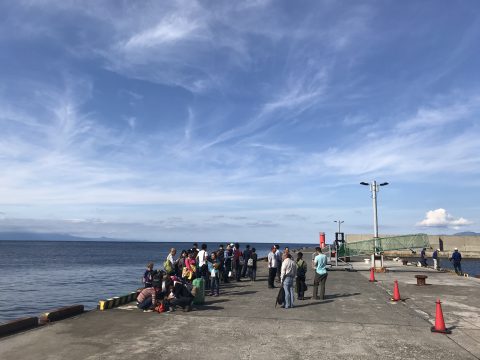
215 301
249 292
334 296
206 307
300 304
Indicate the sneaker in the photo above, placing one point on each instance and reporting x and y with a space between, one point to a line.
148 310
187 308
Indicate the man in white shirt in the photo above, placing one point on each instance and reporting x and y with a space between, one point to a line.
288 273
272 267
202 265
173 265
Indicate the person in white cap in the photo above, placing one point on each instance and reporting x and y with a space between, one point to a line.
436 262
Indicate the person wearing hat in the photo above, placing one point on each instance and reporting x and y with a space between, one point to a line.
457 258
228 255
436 263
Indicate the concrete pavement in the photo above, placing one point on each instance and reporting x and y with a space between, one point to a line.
356 320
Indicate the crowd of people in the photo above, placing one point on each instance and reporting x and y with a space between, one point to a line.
292 273
173 286
175 281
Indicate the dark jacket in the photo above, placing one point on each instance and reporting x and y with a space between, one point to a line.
180 291
456 257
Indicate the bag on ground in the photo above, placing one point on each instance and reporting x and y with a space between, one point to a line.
280 297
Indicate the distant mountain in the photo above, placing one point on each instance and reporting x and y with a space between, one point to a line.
467 233
47 237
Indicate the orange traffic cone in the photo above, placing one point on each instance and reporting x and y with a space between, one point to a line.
396 292
372 275
439 322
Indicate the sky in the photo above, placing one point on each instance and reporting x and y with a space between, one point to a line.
250 121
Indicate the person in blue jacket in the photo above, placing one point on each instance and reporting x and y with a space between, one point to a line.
423 258
456 258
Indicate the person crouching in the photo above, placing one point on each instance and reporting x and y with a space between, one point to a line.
179 295
149 297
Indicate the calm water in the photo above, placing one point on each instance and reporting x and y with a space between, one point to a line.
469 266
37 276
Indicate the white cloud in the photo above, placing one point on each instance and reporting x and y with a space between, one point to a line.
173 28
442 219
399 151
428 117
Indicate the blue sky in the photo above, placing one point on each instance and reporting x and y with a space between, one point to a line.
247 121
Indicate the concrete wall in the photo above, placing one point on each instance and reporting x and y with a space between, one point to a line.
463 243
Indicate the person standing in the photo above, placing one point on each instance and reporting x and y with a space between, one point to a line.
228 255
301 274
423 259
148 275
252 265
181 262
221 259
202 258
436 263
320 266
238 260
170 264
213 268
246 256
456 258
272 267
190 269
288 273
278 254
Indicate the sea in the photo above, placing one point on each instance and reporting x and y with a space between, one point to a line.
38 276
469 266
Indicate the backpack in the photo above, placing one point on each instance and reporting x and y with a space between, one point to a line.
280 297
250 262
301 268
167 265
241 259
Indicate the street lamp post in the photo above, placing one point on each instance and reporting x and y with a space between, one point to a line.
374 188
340 222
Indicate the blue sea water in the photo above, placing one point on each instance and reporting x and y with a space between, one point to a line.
469 266
37 276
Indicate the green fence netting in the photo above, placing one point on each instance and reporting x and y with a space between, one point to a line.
402 242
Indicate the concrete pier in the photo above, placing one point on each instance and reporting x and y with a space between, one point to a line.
356 320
